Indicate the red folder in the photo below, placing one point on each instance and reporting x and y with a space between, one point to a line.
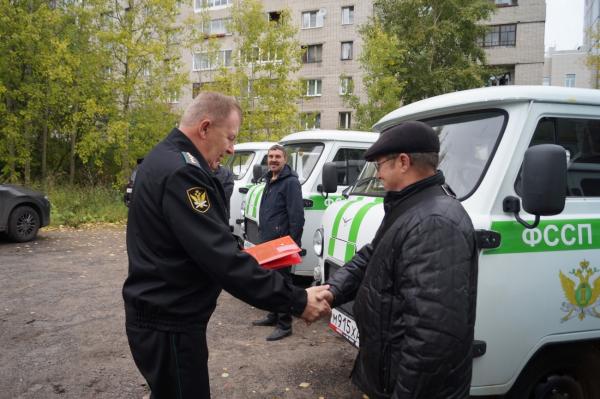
276 254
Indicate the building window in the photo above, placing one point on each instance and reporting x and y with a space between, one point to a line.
312 19
201 4
312 53
347 15
570 80
206 61
347 50
274 16
345 120
313 87
346 85
503 79
547 81
506 3
173 97
216 27
500 35
310 120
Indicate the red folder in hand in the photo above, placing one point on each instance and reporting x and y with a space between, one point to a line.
276 254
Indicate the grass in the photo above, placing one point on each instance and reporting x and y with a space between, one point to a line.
76 205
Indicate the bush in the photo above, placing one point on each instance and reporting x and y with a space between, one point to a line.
76 205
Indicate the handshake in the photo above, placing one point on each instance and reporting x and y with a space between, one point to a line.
318 303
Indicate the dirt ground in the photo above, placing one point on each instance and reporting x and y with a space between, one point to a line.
62 332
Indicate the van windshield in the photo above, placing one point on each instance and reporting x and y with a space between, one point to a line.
239 163
467 143
302 158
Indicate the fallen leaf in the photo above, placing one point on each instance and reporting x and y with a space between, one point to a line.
304 385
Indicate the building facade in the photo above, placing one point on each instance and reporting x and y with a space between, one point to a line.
328 30
514 44
567 68
591 23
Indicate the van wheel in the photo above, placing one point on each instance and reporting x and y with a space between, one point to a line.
565 373
23 224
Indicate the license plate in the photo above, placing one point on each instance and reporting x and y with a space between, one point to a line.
248 244
345 326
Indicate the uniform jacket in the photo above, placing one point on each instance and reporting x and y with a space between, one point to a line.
181 251
225 176
281 207
415 291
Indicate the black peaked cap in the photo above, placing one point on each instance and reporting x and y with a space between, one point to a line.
407 137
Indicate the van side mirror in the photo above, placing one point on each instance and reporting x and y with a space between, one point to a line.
257 173
543 182
329 178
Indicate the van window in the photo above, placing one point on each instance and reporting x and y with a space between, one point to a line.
467 144
348 162
302 158
581 139
239 163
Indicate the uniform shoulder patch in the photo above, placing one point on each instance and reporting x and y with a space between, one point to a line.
198 199
190 159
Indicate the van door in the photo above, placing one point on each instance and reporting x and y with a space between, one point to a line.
543 284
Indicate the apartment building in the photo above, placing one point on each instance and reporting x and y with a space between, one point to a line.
567 68
328 30
514 43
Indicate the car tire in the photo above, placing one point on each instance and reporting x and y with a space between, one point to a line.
569 372
23 224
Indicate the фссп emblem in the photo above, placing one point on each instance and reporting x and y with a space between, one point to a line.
581 298
198 199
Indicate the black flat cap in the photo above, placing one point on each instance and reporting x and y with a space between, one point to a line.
405 137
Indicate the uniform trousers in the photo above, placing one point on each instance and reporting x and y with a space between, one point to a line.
175 364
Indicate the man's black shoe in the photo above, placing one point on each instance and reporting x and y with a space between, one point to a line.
279 334
267 321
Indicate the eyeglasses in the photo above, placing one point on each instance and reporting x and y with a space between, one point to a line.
378 164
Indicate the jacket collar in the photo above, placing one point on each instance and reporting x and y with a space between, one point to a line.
184 144
285 172
394 197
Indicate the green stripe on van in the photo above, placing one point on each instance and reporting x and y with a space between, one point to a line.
336 224
259 192
548 236
360 215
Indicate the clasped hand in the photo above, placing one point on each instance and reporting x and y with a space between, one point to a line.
318 303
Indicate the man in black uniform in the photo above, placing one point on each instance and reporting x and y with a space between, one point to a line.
414 286
281 214
181 253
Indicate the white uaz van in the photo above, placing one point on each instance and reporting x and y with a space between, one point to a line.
537 330
307 153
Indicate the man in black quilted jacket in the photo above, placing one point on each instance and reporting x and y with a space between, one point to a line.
414 286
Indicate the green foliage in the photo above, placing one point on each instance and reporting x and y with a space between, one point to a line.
85 86
593 58
76 205
414 49
265 59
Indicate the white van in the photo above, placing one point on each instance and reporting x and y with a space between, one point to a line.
241 164
538 310
307 153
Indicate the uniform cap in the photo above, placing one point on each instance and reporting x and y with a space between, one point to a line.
407 137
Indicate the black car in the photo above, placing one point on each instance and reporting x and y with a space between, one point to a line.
22 212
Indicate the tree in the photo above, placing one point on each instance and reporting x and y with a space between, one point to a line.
593 58
265 59
420 48
144 75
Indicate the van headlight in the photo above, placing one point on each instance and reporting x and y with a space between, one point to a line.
318 241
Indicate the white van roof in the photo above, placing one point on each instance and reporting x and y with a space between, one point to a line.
330 135
488 97
254 145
